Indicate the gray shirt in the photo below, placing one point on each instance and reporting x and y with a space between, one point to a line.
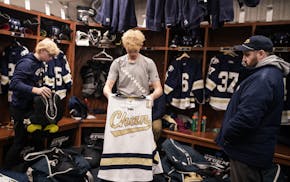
133 79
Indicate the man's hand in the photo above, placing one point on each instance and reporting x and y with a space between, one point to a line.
149 101
111 95
43 91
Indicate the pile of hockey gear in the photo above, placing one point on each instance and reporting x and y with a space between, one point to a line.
77 108
46 114
94 37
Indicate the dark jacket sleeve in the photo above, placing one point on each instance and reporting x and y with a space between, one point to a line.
21 75
253 104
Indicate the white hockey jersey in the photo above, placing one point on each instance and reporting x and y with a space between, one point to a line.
128 142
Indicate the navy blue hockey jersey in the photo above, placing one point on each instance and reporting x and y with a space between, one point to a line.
249 3
57 75
155 15
185 13
46 110
184 84
104 15
119 15
124 16
10 57
222 77
172 12
220 11
192 13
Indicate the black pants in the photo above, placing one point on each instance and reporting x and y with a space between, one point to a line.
13 157
241 172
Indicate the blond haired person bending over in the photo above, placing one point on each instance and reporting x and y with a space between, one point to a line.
25 84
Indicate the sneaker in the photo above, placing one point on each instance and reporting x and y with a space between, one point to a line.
15 24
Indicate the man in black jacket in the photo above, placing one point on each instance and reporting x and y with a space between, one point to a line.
253 116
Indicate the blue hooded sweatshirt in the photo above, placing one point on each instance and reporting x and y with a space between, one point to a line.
28 74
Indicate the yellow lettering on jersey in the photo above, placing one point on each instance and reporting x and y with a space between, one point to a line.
124 125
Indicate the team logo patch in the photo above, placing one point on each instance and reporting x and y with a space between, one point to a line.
170 68
214 60
211 70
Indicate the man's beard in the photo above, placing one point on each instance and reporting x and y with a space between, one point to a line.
253 63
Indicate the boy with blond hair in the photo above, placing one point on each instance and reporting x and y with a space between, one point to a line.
25 84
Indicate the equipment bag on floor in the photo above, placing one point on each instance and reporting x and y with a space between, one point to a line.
57 165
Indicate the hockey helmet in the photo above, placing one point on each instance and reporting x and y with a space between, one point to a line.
30 23
15 24
65 32
4 18
82 39
83 13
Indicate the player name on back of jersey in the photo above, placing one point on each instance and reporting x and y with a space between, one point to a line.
123 125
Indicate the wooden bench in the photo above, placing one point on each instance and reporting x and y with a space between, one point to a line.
67 124
99 121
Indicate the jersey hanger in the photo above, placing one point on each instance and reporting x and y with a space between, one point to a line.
102 56
183 55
